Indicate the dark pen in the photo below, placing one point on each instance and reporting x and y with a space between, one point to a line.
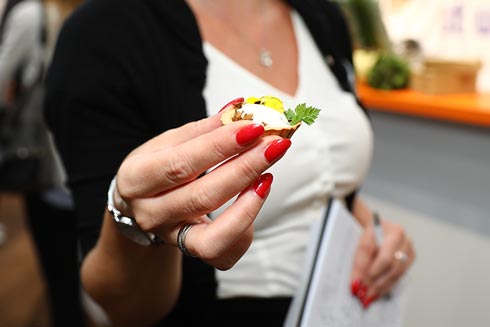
378 234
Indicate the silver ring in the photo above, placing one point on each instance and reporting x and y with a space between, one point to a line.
181 239
400 256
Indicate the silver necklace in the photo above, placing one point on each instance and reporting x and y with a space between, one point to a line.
265 56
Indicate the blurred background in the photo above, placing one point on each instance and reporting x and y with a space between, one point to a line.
423 71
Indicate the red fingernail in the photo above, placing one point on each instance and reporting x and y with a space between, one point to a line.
236 101
355 286
249 133
367 302
276 149
263 184
361 293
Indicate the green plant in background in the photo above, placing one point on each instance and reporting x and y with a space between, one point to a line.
372 45
366 24
389 72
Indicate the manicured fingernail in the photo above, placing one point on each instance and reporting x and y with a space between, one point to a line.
263 184
236 101
249 133
276 149
355 286
367 302
361 292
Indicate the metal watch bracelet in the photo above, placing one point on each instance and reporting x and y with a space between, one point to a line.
128 225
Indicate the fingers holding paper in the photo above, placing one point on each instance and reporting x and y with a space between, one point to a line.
378 267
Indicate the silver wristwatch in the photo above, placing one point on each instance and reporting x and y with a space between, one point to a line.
127 225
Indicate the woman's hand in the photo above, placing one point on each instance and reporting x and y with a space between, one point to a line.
378 267
158 185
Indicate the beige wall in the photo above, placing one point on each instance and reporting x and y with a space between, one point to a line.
449 29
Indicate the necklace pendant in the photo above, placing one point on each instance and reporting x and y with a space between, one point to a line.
266 58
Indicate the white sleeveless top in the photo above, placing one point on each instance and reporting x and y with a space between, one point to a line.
329 158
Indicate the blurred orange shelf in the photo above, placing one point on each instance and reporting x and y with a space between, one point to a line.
472 109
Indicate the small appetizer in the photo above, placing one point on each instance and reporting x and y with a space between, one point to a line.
269 111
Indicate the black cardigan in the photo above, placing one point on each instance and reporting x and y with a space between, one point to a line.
124 71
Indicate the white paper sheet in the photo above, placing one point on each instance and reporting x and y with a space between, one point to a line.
324 298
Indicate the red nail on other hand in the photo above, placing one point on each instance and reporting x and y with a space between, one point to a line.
367 302
361 293
355 286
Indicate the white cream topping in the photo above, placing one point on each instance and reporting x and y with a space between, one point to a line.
264 115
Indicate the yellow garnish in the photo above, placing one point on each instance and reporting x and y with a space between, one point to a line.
272 102
268 101
253 100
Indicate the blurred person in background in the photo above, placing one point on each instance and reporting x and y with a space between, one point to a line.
28 33
129 90
2 6
3 231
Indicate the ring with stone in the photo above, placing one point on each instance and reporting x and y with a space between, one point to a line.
400 256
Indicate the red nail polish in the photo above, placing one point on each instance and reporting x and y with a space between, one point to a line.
355 286
361 293
236 101
276 149
249 133
263 184
367 302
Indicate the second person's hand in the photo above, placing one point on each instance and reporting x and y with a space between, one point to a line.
378 267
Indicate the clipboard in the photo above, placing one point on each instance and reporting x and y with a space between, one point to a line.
323 298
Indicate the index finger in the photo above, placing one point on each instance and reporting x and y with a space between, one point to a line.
147 174
365 253
180 134
186 132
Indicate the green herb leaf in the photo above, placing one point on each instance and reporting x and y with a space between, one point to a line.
302 113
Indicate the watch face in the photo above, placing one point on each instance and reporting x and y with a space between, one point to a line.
129 229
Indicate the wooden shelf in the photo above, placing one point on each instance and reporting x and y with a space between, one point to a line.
472 109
